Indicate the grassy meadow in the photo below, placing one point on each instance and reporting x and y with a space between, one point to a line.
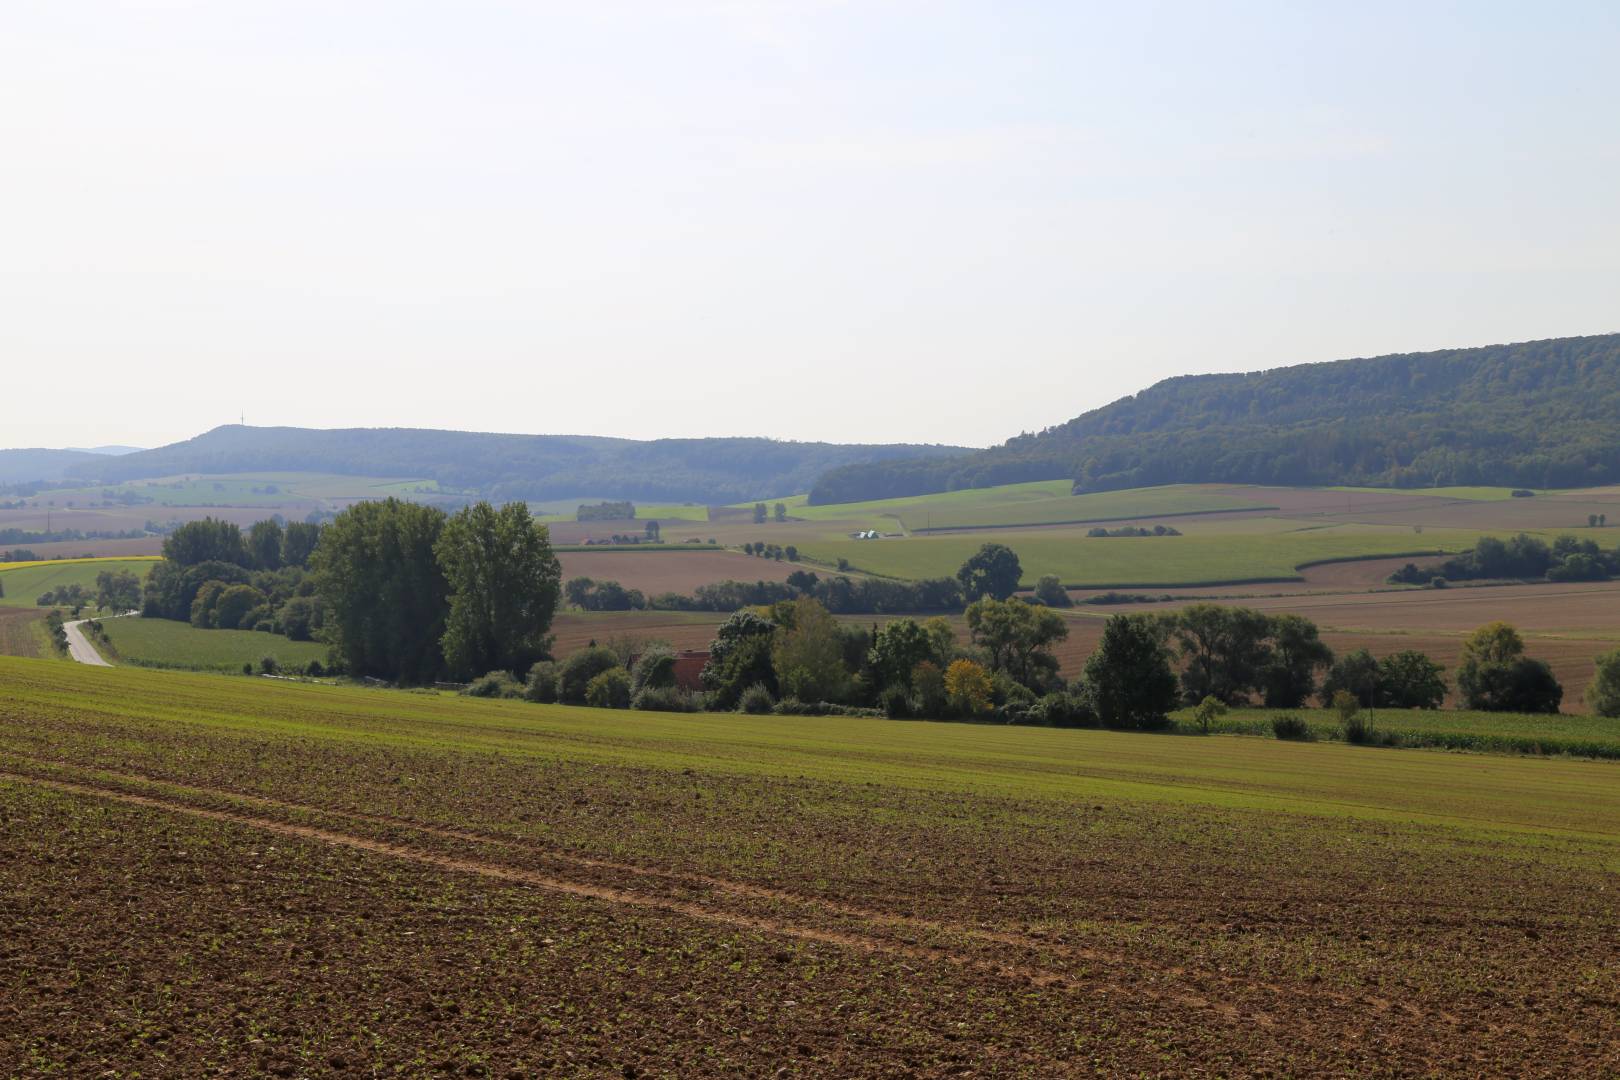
165 643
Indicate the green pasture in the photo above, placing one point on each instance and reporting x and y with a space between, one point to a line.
25 582
1526 798
1197 558
1041 502
164 643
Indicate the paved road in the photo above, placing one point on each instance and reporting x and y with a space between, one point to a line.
79 646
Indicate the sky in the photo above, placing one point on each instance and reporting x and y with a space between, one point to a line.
869 221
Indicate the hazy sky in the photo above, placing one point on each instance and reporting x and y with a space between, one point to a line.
872 221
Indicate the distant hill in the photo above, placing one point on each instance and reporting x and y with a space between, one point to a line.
1533 414
512 466
108 451
28 466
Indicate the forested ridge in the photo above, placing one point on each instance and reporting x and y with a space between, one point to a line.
512 466
1532 414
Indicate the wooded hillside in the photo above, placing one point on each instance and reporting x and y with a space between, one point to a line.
1533 414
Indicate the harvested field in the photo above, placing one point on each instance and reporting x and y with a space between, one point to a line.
100 549
202 875
682 629
20 632
656 572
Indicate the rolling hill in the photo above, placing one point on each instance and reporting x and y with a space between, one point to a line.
1537 414
38 465
509 466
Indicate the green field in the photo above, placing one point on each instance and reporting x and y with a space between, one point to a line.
1195 558
1326 780
265 489
165 643
1448 729
1041 502
25 582
378 882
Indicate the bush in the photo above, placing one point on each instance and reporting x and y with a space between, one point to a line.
268 665
967 688
541 685
314 669
1050 591
1289 726
1062 710
896 703
609 689
667 699
654 669
1357 727
247 667
790 706
578 671
756 700
1604 693
497 684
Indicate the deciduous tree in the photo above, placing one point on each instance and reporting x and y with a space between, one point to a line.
504 583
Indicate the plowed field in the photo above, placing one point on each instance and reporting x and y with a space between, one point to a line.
203 875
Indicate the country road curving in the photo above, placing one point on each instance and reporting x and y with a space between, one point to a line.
79 647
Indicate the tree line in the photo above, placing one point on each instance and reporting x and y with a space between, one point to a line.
399 590
1523 557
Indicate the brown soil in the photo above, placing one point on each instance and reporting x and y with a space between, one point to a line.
18 633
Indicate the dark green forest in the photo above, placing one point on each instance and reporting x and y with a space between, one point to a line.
505 467
1533 414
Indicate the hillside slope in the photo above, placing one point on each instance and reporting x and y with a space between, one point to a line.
1533 414
27 466
512 466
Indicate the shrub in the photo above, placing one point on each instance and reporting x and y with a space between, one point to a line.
1208 711
928 690
1357 727
967 688
896 703
578 671
268 665
655 669
1063 710
667 699
756 700
1289 726
1604 693
609 689
541 685
235 605
247 667
314 669
497 684
1050 591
